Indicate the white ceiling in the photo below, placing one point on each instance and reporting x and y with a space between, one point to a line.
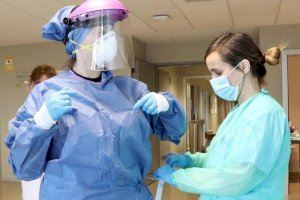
21 20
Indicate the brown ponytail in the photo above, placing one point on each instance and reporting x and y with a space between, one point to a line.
272 56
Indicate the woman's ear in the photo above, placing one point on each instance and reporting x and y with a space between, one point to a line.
245 66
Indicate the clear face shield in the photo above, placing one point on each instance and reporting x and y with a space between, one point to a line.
104 42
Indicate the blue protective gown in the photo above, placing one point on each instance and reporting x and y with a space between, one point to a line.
100 150
247 159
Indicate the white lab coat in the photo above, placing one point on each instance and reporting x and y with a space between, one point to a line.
31 189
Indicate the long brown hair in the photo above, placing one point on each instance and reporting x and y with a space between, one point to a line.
235 47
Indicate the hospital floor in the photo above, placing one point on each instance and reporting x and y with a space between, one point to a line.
12 191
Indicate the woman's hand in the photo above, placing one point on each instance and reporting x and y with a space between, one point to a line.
152 103
59 103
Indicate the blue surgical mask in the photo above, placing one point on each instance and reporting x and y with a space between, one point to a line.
224 89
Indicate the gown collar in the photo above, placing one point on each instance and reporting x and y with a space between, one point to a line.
105 77
262 91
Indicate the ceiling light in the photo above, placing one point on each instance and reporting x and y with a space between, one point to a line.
161 18
193 1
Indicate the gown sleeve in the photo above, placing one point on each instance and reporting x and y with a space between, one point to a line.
169 125
28 143
198 159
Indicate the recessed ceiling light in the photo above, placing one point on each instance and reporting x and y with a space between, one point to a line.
193 1
161 18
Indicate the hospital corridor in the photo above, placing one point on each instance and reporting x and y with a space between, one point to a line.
150 99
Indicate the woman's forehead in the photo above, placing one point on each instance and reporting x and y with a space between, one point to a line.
214 61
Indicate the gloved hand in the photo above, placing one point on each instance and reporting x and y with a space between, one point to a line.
152 103
178 160
59 103
164 173
55 106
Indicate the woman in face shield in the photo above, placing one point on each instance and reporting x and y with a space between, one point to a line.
86 129
248 158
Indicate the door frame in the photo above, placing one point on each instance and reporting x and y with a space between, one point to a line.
1 124
285 87
284 75
185 84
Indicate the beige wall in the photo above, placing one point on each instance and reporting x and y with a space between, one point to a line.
139 49
12 90
271 36
181 52
176 75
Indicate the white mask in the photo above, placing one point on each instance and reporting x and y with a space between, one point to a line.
105 49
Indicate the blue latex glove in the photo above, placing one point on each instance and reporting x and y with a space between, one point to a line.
59 103
164 173
152 103
178 160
